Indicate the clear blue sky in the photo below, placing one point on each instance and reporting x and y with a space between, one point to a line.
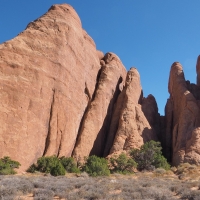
147 34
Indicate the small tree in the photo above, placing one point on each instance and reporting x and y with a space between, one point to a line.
122 164
50 164
96 166
69 164
149 156
7 166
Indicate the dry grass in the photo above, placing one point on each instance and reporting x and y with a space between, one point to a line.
159 185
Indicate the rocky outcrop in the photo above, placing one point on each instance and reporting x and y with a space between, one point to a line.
182 118
129 127
47 79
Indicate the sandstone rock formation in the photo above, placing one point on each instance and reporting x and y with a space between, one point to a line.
96 121
60 96
182 118
129 127
47 78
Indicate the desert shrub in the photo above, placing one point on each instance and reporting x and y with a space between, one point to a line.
183 168
50 164
191 194
69 164
96 166
43 194
122 164
7 166
159 171
149 156
173 169
11 186
84 175
32 168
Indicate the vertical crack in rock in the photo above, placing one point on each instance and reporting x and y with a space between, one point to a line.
114 121
96 85
47 143
60 144
103 133
87 92
167 139
83 117
90 99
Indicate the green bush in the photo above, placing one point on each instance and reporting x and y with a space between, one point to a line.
96 166
122 164
69 164
32 168
50 164
7 166
149 156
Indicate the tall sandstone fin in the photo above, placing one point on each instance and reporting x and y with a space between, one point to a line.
129 122
43 74
96 122
182 118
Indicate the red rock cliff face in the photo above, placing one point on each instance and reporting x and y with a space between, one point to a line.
60 96
47 75
182 118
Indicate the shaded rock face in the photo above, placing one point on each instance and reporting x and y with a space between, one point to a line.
150 110
182 118
60 96
129 127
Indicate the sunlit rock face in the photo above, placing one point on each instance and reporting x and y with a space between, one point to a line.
48 75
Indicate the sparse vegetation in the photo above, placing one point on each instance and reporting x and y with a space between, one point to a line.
96 166
122 164
7 166
49 164
143 185
149 156
69 164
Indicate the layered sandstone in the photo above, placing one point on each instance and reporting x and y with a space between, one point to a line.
182 118
47 79
129 127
